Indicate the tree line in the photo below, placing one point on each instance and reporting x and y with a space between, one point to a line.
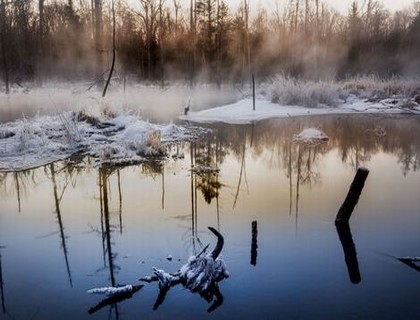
203 40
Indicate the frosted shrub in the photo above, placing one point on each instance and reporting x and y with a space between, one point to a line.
29 136
374 88
289 91
153 141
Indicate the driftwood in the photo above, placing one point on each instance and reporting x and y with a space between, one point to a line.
115 296
201 274
353 195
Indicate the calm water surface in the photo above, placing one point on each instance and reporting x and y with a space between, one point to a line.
68 227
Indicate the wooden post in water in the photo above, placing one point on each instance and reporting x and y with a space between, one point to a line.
254 244
253 92
346 209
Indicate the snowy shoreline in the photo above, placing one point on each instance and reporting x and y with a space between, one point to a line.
241 112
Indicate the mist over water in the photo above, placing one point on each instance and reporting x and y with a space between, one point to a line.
150 102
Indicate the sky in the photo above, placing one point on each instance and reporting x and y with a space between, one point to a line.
340 5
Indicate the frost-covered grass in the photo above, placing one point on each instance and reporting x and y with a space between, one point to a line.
108 138
286 90
375 88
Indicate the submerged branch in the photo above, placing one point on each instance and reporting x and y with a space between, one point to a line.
200 274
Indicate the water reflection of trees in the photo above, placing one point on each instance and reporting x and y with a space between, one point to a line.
3 303
17 184
356 138
205 155
106 229
359 138
4 310
68 173
273 141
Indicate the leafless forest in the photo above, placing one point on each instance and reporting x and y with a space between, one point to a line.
203 41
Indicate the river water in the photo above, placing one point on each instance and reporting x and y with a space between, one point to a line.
69 227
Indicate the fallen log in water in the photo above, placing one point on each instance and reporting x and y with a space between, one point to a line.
200 274
115 295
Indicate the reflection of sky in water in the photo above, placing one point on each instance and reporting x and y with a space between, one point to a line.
300 271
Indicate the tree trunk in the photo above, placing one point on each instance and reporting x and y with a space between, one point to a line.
193 32
113 51
161 44
40 41
247 47
4 44
296 15
99 42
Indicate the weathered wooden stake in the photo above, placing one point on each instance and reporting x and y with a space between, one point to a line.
254 244
253 92
346 209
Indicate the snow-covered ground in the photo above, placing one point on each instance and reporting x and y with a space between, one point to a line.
122 139
242 111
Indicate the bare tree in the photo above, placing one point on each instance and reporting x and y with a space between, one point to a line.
113 50
149 19
4 44
99 41
247 45
40 37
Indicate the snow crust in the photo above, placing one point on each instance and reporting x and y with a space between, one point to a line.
112 291
310 135
242 111
123 139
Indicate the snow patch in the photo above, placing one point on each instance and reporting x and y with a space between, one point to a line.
310 135
112 291
242 112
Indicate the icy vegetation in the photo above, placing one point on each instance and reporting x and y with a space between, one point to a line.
289 97
286 90
200 274
107 138
290 91
202 271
